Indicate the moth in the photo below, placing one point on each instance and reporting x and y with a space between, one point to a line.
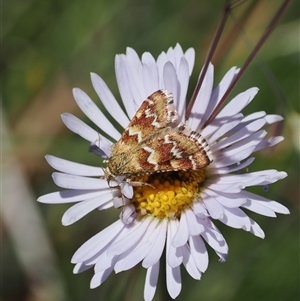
152 143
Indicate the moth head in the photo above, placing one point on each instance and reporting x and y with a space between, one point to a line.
115 165
112 179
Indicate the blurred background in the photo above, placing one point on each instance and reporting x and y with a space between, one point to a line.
51 46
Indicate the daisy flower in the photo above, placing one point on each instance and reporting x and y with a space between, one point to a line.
170 210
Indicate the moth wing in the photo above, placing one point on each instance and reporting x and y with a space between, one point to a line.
155 113
173 149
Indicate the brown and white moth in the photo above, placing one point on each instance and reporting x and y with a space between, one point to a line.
151 144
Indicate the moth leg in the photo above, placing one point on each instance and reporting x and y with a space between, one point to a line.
128 212
139 184
110 183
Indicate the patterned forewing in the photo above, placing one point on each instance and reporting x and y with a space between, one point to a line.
149 145
174 149
155 113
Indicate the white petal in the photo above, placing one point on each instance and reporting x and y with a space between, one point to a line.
134 70
253 116
127 190
119 201
199 209
223 130
150 73
250 179
100 148
134 257
174 255
250 141
173 281
104 261
231 109
181 236
178 55
157 247
120 259
171 56
151 281
106 205
93 260
73 167
233 168
268 143
161 61
237 155
259 208
170 81
97 242
227 200
241 135
190 57
89 108
238 103
77 182
72 196
236 218
219 91
108 100
100 277
123 85
272 118
79 127
183 77
199 252
214 208
128 214
210 129
275 206
268 176
76 212
130 239
140 251
257 230
249 119
195 228
228 188
196 118
189 263
215 239
81 267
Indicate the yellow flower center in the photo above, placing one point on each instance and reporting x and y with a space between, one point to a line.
167 194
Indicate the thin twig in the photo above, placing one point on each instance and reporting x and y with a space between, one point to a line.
255 50
226 11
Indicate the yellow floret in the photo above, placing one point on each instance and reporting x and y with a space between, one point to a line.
167 194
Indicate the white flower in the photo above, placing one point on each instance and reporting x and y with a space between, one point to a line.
142 233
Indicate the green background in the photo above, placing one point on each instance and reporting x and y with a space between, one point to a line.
50 46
